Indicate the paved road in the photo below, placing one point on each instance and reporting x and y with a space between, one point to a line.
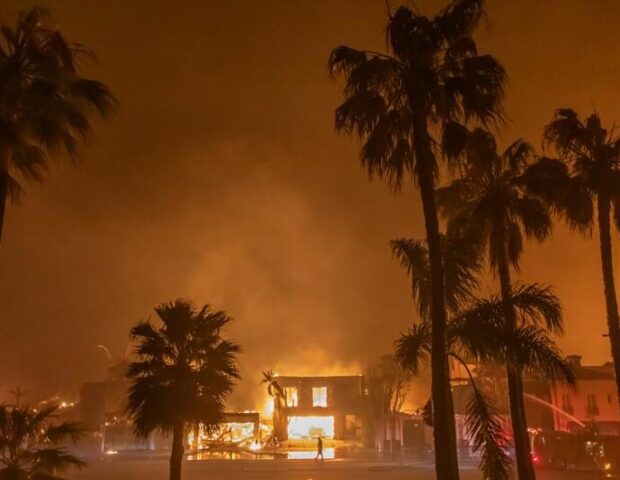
282 470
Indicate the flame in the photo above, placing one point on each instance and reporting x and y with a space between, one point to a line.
310 427
234 432
311 362
268 407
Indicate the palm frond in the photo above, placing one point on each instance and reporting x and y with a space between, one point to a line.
343 60
72 431
454 141
564 130
577 205
478 331
481 330
53 460
518 155
536 304
413 257
462 263
459 19
533 215
413 348
482 88
547 178
489 437
532 348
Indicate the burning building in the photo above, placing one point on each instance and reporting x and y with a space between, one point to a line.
238 429
327 406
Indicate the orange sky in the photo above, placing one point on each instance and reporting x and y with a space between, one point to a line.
220 179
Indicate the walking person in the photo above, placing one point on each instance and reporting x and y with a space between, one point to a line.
319 449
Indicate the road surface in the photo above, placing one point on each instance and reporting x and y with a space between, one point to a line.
140 469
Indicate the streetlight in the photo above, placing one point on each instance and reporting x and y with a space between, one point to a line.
105 397
106 350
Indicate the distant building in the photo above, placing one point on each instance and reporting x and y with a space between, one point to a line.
402 432
594 402
329 406
102 401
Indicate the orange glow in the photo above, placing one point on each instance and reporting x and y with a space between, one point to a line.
233 432
328 453
292 396
310 427
268 407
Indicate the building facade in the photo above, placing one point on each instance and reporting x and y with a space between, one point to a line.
593 403
327 406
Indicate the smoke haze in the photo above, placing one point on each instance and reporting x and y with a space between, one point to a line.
220 179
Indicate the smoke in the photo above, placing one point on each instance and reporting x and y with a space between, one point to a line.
220 179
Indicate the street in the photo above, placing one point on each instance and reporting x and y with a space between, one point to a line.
283 470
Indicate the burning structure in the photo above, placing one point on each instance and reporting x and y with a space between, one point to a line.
327 406
239 429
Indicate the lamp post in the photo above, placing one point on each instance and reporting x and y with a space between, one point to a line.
105 395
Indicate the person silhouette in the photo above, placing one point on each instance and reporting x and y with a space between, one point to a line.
319 449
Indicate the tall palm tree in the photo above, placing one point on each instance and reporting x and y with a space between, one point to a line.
491 201
587 173
45 104
432 75
478 331
277 392
184 373
30 444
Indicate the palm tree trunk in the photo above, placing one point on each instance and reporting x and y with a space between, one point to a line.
525 467
4 185
611 302
176 455
446 460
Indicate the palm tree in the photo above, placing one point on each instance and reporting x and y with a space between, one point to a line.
184 373
480 334
490 200
275 391
431 76
45 104
30 444
587 172
478 331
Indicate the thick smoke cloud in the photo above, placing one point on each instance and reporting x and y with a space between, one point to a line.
220 179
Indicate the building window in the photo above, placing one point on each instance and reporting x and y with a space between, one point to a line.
292 398
319 396
592 407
